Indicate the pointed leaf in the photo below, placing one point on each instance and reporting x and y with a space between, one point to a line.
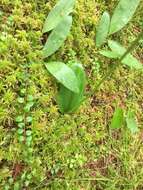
109 54
103 28
64 75
57 37
131 122
123 14
61 9
118 119
69 101
116 47
129 60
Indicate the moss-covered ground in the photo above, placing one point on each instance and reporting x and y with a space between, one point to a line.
76 151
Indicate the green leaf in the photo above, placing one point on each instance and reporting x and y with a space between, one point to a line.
21 125
64 75
16 186
20 100
28 133
19 119
20 131
131 122
6 187
69 101
30 98
116 47
62 8
109 54
23 92
123 14
29 139
11 180
129 60
57 36
21 138
103 29
118 119
28 106
29 119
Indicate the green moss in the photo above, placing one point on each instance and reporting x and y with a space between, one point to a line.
74 151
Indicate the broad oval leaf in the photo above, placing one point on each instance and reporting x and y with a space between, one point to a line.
123 14
64 75
57 36
103 29
67 100
129 60
131 122
118 119
61 9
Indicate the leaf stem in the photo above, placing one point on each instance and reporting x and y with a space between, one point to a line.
115 66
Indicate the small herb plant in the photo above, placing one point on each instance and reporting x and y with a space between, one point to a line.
120 118
121 16
24 119
71 77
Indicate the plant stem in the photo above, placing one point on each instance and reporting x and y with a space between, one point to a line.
115 66
25 98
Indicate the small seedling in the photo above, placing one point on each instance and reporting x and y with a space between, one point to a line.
120 18
121 119
71 77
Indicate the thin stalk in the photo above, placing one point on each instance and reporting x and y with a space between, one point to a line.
115 66
26 72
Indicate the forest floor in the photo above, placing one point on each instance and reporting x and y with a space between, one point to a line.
68 151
